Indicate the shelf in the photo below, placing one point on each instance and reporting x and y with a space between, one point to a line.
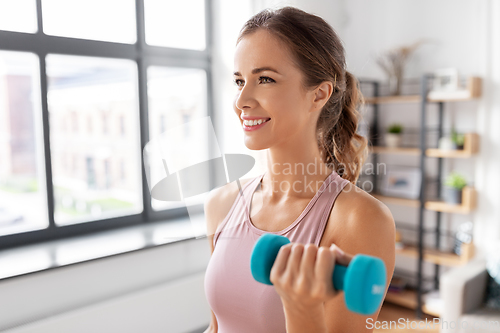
397 201
468 203
398 150
393 99
408 299
439 257
471 92
471 147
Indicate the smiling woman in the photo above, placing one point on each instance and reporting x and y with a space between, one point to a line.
296 99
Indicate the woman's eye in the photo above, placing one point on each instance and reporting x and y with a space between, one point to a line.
264 79
267 78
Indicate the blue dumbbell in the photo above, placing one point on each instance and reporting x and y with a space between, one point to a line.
363 281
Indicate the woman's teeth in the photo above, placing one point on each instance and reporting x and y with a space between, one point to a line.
254 122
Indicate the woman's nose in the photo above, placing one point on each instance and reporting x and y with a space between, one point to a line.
245 98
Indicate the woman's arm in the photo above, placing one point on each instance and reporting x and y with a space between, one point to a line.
370 230
302 274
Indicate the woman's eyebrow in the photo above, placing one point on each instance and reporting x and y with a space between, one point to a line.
258 70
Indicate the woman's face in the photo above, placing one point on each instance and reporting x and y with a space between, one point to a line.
269 86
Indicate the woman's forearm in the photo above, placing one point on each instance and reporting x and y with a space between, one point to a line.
305 320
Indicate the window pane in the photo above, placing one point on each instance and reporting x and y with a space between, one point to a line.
94 137
171 105
22 168
106 20
178 24
18 15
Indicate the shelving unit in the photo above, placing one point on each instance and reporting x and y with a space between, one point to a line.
414 298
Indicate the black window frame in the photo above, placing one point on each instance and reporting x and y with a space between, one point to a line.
144 56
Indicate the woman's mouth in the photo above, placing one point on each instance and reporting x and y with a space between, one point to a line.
252 125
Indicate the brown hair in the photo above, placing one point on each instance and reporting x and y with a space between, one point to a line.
318 52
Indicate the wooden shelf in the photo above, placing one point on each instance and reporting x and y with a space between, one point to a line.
471 92
397 201
399 150
439 257
393 99
408 299
469 197
471 147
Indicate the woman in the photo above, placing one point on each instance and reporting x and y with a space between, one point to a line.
292 83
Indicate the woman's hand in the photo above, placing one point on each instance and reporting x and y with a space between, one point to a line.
302 274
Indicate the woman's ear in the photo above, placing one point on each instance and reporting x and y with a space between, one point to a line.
322 94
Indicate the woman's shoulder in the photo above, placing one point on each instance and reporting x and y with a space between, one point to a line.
358 214
219 202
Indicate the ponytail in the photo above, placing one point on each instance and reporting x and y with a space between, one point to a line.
342 147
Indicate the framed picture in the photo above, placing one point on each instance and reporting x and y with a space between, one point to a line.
402 182
446 80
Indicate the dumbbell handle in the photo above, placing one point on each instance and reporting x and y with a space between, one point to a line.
338 276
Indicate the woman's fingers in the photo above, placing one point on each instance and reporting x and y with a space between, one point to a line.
324 264
280 263
295 258
308 260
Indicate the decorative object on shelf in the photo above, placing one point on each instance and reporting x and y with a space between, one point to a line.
457 139
399 241
393 63
402 182
463 236
446 80
454 184
472 90
446 143
393 135
398 284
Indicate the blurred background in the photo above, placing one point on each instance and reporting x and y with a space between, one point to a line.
85 85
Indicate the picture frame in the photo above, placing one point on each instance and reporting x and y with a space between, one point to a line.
446 79
402 182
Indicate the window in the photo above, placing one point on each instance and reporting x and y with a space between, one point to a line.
78 101
22 171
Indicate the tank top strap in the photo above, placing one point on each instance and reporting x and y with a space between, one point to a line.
239 203
328 198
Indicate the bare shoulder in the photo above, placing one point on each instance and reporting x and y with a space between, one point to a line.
218 204
358 217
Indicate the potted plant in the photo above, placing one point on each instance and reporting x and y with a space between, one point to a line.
457 139
393 135
454 184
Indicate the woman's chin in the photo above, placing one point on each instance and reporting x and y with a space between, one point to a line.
253 144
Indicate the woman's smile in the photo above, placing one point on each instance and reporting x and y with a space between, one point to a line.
248 125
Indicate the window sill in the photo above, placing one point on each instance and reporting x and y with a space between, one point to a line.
59 253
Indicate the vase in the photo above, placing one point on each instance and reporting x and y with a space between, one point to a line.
394 85
392 140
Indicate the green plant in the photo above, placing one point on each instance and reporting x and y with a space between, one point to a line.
395 128
457 138
455 180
